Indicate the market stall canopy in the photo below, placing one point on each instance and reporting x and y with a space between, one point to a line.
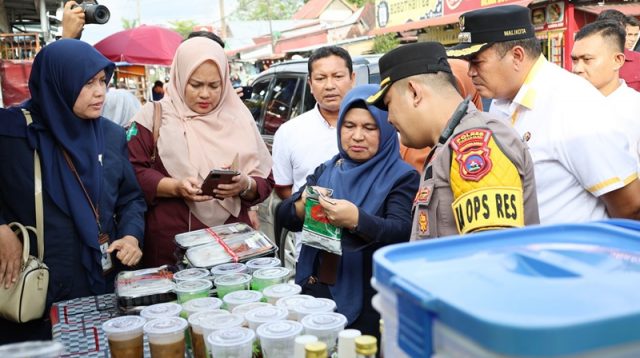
145 45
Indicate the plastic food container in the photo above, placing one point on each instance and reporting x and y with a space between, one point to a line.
166 336
236 298
262 262
554 290
224 269
32 349
196 321
125 336
291 302
316 305
260 315
222 322
189 290
246 307
191 274
231 343
201 304
201 237
301 342
325 326
144 287
277 338
161 310
232 282
266 277
276 292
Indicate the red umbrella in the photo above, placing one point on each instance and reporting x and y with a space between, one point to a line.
147 45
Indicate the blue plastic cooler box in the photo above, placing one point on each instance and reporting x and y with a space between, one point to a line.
563 290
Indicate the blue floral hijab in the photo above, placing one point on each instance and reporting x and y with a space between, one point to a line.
59 72
366 184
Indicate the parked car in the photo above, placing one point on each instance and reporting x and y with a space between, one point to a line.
282 92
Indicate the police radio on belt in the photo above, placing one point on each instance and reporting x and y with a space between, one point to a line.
94 13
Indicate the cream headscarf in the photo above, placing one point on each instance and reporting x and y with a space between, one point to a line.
191 144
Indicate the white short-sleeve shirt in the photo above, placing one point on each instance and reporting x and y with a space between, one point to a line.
300 146
578 153
626 102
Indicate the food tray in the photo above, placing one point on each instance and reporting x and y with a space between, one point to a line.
202 237
145 287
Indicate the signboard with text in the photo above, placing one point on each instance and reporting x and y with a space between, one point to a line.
398 12
460 6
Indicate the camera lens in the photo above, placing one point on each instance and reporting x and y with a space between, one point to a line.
96 14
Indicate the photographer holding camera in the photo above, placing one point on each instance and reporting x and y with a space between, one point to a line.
75 16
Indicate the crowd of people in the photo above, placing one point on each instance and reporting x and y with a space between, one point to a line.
412 158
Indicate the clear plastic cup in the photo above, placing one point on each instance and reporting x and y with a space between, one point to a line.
166 337
277 339
260 315
226 269
262 262
236 298
189 290
32 349
222 322
325 326
300 343
161 310
231 343
276 292
196 321
246 307
232 282
290 303
125 336
201 304
266 277
191 274
316 305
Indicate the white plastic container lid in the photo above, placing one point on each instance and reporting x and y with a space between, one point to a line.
201 304
233 337
263 262
197 319
260 315
222 322
280 290
232 279
165 327
324 322
190 274
290 302
123 327
316 305
246 307
33 349
225 269
161 310
279 330
193 286
271 273
243 296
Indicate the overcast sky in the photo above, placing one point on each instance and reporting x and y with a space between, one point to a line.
156 12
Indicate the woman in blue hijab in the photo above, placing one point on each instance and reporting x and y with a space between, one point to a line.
68 85
373 190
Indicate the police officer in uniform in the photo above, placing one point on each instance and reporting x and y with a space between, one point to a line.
479 176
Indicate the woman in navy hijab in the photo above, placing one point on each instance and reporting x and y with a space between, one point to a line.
68 84
373 190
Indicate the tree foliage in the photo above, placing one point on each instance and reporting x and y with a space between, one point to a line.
266 9
360 3
385 43
129 23
183 27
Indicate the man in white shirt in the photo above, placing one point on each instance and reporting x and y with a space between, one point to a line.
582 165
303 143
598 55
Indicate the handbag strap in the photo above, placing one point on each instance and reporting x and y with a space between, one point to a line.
84 190
157 117
37 181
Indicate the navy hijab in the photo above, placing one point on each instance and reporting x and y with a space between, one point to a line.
367 185
59 72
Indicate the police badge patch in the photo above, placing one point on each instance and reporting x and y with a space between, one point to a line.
472 151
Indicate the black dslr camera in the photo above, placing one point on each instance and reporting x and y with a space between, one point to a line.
94 13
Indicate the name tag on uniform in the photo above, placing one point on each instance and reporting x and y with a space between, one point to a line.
489 208
105 260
